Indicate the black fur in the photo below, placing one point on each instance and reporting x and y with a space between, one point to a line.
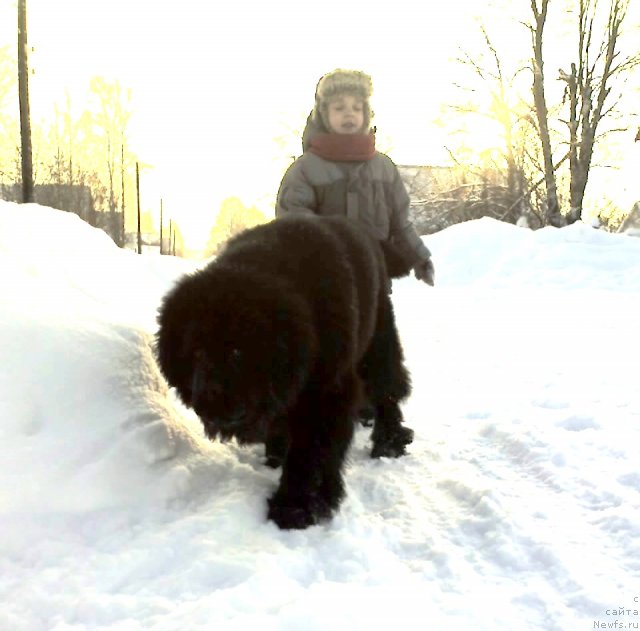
280 340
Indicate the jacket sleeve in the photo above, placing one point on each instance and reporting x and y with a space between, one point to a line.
402 232
296 195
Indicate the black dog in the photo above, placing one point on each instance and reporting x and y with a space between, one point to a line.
280 340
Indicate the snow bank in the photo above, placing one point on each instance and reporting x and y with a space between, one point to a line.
75 334
488 253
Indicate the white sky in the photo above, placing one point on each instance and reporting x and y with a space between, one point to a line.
517 507
213 83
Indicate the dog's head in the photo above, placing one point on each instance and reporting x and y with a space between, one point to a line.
236 350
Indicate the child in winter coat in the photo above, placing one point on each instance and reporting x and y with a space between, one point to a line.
341 173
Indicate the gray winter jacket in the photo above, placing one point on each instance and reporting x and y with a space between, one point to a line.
370 192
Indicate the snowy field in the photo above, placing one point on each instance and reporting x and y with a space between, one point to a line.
517 509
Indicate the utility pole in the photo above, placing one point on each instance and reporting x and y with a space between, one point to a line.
139 212
25 116
123 234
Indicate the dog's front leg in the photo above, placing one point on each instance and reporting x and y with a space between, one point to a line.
311 486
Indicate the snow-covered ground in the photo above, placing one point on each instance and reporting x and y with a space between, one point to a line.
518 507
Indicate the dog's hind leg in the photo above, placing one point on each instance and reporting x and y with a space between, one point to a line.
387 383
321 428
389 436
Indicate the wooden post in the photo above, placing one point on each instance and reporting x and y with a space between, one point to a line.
25 116
139 212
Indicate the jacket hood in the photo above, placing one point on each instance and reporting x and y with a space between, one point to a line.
313 127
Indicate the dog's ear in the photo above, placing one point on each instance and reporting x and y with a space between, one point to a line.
172 346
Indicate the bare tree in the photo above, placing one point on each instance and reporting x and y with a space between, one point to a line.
513 118
552 213
233 217
588 92
113 117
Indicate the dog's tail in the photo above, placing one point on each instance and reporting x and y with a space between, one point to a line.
397 263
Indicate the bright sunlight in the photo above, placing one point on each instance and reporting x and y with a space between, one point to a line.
220 91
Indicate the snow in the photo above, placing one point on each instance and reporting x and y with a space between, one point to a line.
518 506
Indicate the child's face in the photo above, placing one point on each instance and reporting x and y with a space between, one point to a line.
346 114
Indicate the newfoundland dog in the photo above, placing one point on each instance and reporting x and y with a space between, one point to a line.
280 340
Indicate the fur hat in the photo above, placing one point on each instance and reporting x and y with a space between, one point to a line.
340 81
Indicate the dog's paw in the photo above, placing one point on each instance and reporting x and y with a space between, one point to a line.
392 444
297 516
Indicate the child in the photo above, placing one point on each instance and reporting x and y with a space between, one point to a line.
341 173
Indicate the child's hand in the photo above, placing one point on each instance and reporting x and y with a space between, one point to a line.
425 272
